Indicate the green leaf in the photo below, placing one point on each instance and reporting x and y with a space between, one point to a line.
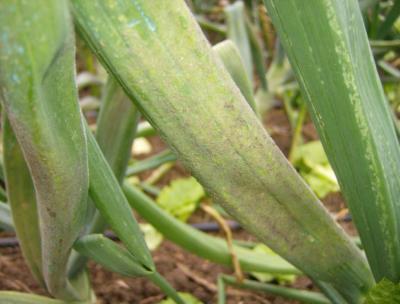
389 21
303 296
257 54
110 255
152 237
3 195
329 50
311 161
230 56
187 297
385 292
40 98
12 297
268 277
151 162
104 186
22 201
311 153
80 282
236 23
110 201
158 54
116 126
6 221
180 198
104 189
199 243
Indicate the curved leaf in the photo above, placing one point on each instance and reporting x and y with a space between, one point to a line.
40 98
116 127
112 256
333 63
22 200
158 54
230 56
237 32
113 206
12 297
199 243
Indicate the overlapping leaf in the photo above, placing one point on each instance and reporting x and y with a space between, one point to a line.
157 53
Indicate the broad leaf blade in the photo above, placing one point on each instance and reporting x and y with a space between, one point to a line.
331 57
160 57
40 98
22 200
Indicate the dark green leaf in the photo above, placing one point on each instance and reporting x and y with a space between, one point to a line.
330 54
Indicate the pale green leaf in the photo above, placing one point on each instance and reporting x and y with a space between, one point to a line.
180 198
152 237
230 56
200 243
22 201
157 52
385 292
187 297
13 297
237 32
38 92
6 221
112 256
311 161
268 277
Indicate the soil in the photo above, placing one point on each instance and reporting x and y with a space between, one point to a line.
186 272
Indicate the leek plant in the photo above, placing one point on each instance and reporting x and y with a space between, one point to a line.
65 184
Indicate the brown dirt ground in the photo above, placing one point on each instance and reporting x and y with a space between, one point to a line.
185 271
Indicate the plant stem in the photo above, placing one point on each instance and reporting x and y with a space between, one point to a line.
286 292
384 43
297 131
157 174
165 287
221 290
199 243
151 162
211 26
